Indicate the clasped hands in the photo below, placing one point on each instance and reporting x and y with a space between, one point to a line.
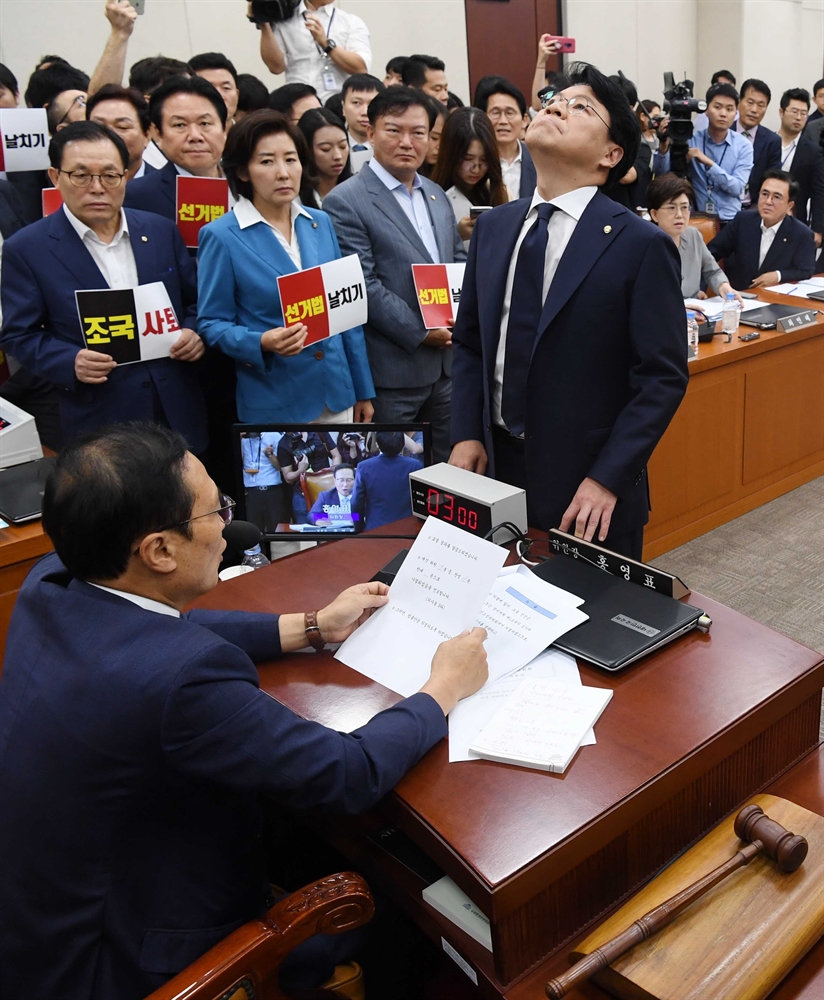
459 666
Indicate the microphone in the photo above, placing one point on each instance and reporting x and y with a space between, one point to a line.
241 535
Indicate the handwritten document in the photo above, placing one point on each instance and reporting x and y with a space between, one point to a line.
542 724
437 593
468 717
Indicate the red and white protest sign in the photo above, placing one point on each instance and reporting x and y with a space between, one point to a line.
438 287
327 299
199 201
52 201
128 324
24 139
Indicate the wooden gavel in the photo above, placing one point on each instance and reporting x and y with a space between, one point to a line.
763 836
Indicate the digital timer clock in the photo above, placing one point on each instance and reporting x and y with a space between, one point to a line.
469 501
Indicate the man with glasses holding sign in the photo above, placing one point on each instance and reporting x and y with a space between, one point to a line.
570 342
92 243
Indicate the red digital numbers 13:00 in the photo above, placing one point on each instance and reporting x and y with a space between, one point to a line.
443 505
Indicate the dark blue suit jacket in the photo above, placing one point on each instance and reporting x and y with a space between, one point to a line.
326 497
12 211
154 192
766 155
609 362
792 251
381 493
43 265
133 750
529 176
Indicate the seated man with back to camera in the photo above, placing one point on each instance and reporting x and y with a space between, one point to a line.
135 742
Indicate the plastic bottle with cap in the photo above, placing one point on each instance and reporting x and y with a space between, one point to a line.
731 316
692 331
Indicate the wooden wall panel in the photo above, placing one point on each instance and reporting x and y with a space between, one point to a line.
502 38
784 411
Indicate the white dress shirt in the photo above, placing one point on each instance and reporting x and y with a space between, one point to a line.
768 234
306 62
414 207
153 156
247 215
116 259
142 602
360 155
512 175
560 228
788 153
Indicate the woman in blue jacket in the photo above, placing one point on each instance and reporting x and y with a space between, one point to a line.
240 258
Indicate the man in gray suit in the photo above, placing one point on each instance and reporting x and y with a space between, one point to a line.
392 218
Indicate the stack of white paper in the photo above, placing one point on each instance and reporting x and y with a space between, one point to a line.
712 308
799 289
542 724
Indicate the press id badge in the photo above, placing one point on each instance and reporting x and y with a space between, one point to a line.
710 209
329 81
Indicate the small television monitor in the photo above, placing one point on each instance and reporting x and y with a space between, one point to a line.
325 481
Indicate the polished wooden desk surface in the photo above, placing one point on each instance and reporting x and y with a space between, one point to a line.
504 833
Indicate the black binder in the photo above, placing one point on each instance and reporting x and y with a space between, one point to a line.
21 490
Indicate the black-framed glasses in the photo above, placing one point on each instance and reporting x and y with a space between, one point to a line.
575 106
79 101
226 511
83 178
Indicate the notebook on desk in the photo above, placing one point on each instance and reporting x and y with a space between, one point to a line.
767 317
21 490
626 621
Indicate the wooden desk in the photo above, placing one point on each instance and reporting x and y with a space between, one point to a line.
750 428
690 733
20 548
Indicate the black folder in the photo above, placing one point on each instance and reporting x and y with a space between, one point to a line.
21 490
626 621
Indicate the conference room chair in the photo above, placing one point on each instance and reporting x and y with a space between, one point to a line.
246 964
707 225
314 483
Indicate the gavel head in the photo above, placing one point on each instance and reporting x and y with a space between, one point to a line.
787 849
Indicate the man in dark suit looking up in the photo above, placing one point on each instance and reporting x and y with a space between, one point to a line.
766 146
136 744
190 117
505 107
803 160
570 355
770 246
392 218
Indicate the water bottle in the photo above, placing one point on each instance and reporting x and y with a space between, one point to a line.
254 557
731 316
692 331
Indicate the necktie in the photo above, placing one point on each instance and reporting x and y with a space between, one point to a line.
358 148
746 135
524 316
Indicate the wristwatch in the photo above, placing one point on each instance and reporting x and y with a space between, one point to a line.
330 44
314 636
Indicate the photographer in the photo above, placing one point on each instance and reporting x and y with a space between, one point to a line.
719 159
320 43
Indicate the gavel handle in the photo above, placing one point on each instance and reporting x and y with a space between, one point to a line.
648 925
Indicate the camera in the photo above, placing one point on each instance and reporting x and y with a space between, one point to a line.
681 105
272 11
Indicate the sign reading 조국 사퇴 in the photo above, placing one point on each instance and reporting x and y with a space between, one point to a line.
128 324
438 287
24 139
199 201
328 299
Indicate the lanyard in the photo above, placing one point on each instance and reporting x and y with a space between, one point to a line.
716 162
790 152
328 29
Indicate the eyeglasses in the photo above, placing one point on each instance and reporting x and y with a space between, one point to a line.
79 101
675 209
509 113
226 510
82 178
575 106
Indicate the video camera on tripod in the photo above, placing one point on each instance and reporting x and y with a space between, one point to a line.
681 106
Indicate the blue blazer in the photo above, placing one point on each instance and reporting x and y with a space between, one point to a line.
609 361
12 212
154 192
238 301
381 493
43 265
792 251
766 155
134 750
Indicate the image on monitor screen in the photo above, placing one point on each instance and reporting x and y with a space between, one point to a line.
320 480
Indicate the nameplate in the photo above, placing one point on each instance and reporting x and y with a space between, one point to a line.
611 562
797 321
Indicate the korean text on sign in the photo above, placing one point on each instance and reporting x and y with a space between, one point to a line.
438 288
328 299
199 201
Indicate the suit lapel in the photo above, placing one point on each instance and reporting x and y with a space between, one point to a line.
385 202
260 239
308 241
777 247
168 178
145 253
595 232
443 232
70 252
503 238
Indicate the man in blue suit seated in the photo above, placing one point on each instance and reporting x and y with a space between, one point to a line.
570 355
382 483
189 117
769 246
135 742
93 243
334 507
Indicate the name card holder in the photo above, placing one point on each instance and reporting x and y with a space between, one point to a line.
797 321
